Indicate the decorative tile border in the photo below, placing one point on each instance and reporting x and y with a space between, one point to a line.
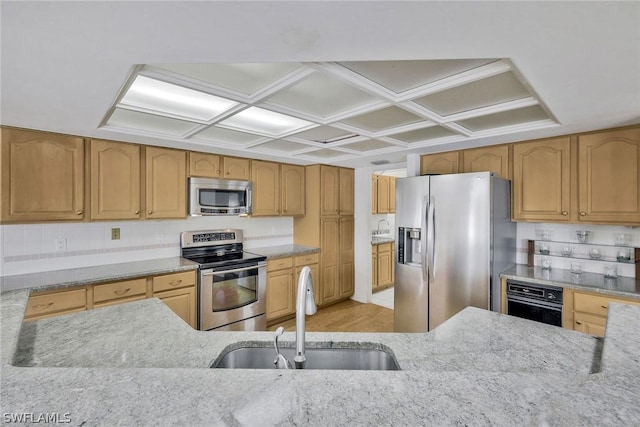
66 254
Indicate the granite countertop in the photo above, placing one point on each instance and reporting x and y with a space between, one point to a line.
622 286
139 364
376 240
284 251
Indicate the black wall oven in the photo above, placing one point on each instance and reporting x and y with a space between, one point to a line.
540 303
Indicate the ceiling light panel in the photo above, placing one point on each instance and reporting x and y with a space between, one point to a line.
400 76
322 96
265 122
424 134
384 119
493 90
217 134
170 99
506 118
135 120
244 78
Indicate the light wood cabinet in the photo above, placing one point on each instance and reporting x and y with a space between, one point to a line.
236 168
42 176
541 180
383 188
55 303
266 188
168 282
117 291
182 302
383 264
346 183
206 165
392 194
329 259
329 190
315 278
374 267
492 159
165 183
374 193
114 180
588 311
440 163
608 182
280 288
346 281
292 196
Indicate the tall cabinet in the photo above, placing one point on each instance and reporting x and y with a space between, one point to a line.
328 224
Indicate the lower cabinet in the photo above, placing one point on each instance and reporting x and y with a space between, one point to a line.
176 290
383 266
587 312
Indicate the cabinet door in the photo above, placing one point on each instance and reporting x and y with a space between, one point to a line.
280 294
439 163
205 165
374 193
166 185
315 277
374 267
292 190
385 265
541 180
383 186
182 302
329 190
608 167
115 180
589 324
266 188
42 176
493 159
392 194
236 168
329 265
346 279
346 191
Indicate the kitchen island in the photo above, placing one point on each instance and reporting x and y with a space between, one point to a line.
139 364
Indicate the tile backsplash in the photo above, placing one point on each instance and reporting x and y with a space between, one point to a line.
30 248
563 237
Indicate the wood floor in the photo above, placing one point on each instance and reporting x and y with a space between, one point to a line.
346 316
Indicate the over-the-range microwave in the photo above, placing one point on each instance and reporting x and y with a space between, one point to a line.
210 196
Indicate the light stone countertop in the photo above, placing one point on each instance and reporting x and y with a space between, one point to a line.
283 251
139 364
376 240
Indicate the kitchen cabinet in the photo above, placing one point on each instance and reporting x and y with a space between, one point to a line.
383 264
346 182
494 159
587 312
440 163
55 303
392 194
182 303
608 183
206 165
42 177
330 259
292 178
541 180
374 267
384 194
346 281
312 261
329 190
374 193
266 188
119 292
165 183
114 180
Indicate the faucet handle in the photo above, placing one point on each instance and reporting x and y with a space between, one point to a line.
281 362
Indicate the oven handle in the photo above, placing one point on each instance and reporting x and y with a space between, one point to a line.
235 270
540 304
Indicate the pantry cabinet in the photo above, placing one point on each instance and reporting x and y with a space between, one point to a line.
494 159
329 190
346 281
346 183
440 163
114 180
165 183
266 188
292 178
42 176
330 259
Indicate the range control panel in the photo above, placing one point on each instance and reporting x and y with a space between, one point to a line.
210 237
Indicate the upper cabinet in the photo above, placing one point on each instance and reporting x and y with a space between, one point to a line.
541 180
440 163
42 176
383 190
494 159
266 188
329 190
165 183
346 178
608 183
292 198
115 180
207 165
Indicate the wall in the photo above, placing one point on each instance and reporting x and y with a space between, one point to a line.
28 248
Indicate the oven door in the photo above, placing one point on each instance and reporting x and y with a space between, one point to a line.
232 294
538 311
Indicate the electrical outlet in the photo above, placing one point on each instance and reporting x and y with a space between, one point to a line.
61 244
115 234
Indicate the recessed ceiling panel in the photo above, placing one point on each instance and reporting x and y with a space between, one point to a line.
400 76
217 134
387 118
324 134
368 145
244 78
506 118
325 153
266 122
322 96
281 145
149 122
423 134
481 93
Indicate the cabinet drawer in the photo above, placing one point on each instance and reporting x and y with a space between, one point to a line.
596 304
174 281
279 264
384 247
116 290
39 305
302 260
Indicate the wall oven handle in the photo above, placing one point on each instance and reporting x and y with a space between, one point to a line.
235 270
540 304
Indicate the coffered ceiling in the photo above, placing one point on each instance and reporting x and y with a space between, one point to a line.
343 83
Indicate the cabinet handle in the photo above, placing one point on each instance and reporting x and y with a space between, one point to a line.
150 212
121 291
578 322
565 213
583 214
137 212
604 306
175 282
218 172
79 213
41 306
227 173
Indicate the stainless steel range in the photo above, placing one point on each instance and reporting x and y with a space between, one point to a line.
232 283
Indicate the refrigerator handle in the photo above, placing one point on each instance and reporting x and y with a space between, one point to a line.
431 237
423 238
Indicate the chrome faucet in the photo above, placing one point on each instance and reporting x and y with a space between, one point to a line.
388 225
281 362
305 304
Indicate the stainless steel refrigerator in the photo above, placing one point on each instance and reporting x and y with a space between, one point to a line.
455 237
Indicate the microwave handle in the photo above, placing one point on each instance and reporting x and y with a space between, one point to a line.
249 198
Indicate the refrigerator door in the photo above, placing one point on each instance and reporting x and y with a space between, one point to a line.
411 289
460 239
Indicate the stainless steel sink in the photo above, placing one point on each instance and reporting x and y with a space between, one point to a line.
317 358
